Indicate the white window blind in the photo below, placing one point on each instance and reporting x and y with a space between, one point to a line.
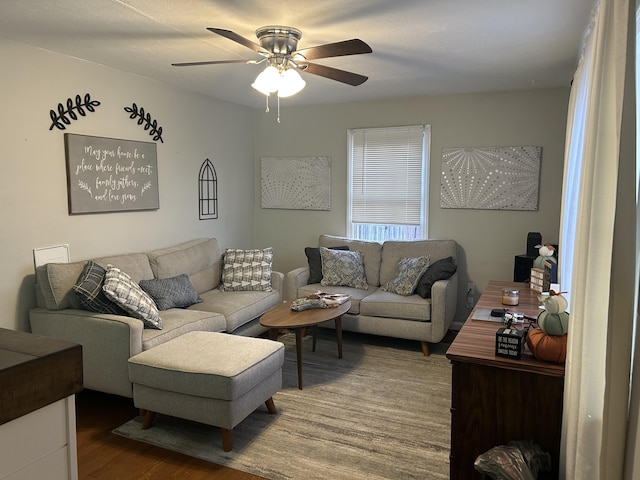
388 170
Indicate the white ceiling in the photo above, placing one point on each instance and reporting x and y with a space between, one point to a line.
420 47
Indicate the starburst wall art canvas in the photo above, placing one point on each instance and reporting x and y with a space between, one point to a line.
490 178
296 183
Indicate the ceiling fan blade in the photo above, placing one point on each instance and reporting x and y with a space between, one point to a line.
333 73
347 47
239 39
212 62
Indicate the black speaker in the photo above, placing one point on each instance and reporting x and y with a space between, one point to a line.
533 239
522 267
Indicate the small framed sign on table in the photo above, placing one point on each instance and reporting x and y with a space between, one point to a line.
110 174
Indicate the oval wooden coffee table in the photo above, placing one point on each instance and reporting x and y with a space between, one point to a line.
283 317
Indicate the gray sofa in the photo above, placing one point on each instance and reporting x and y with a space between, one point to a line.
109 340
379 312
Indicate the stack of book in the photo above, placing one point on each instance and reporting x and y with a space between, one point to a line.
536 281
542 278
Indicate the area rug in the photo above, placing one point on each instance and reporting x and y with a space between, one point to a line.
380 412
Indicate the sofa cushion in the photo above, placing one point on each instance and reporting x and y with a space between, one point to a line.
343 268
246 270
177 322
135 264
120 288
315 262
439 270
372 254
174 292
89 290
56 281
238 308
390 305
355 294
409 272
200 259
222 366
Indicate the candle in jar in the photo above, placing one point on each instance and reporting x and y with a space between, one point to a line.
510 296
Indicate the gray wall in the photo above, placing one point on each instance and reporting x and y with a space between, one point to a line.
33 197
488 240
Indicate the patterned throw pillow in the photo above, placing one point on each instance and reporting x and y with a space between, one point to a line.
408 274
174 292
247 270
315 262
88 288
123 290
343 268
438 270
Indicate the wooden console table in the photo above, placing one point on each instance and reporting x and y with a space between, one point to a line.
495 400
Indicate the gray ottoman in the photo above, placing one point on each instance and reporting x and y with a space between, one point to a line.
207 377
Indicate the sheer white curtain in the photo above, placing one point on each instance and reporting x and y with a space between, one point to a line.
586 242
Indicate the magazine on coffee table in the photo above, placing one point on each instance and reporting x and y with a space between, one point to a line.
319 300
331 299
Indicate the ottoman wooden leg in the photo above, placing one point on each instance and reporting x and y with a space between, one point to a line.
227 436
148 419
271 407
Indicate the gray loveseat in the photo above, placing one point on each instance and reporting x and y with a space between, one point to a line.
109 340
379 312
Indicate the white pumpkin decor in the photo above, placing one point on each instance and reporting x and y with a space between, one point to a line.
545 252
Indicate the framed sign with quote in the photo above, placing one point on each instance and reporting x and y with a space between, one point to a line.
110 174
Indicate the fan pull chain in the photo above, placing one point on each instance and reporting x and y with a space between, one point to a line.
267 109
278 108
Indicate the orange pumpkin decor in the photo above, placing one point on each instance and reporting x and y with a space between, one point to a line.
547 348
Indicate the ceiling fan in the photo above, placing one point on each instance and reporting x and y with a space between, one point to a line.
278 47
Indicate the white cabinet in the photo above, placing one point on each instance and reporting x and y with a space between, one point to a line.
41 444
39 377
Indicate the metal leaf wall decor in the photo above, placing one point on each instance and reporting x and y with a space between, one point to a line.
70 110
144 118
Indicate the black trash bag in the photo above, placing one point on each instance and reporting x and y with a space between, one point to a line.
518 460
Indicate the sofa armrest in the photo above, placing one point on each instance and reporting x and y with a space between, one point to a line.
107 343
296 278
444 301
277 282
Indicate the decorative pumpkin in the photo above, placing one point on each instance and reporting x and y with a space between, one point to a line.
553 323
545 252
554 320
554 303
547 348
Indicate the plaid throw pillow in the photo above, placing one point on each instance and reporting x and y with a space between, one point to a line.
89 290
123 290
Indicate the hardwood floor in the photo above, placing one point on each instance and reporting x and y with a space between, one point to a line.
104 455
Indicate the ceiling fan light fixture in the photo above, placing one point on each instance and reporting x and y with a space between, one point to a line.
267 81
290 83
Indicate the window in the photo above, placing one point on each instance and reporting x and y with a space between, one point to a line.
387 184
